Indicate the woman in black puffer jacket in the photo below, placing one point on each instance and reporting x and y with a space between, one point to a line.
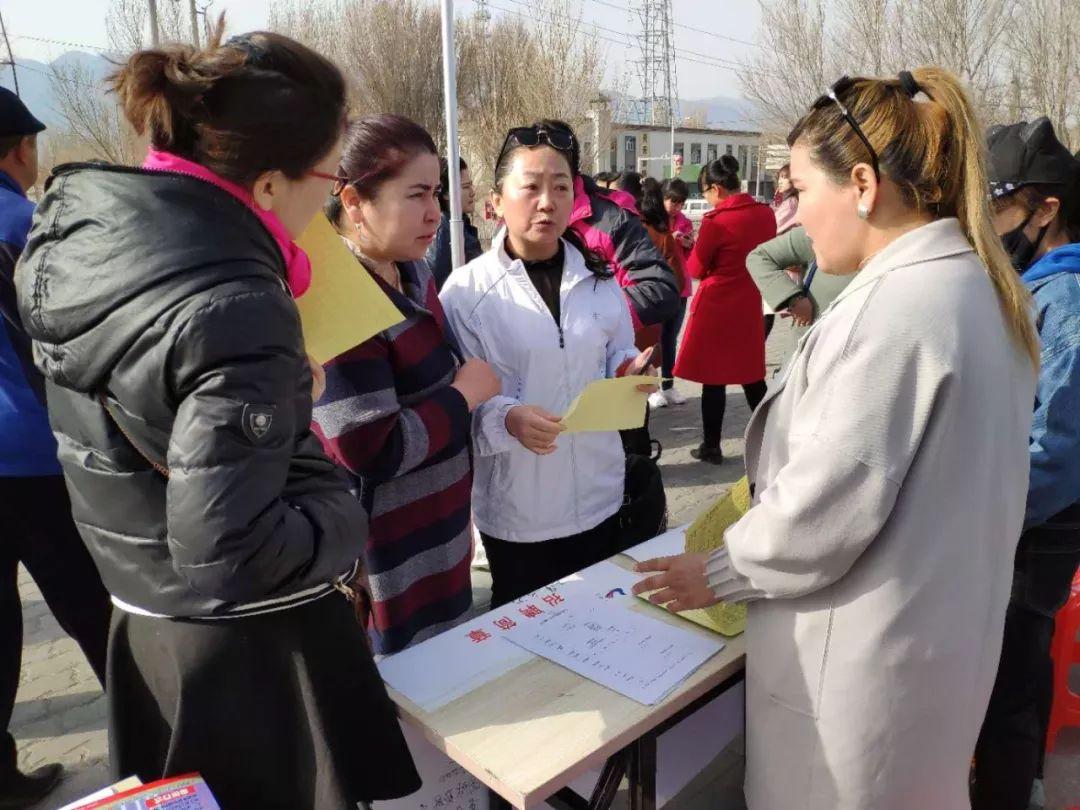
159 302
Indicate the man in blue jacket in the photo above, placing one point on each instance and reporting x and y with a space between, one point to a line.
1035 188
36 527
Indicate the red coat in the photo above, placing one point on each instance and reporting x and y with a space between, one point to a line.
724 342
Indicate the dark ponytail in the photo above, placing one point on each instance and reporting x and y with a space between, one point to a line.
723 173
651 205
229 106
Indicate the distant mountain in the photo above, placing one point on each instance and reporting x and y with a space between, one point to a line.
724 112
721 112
35 89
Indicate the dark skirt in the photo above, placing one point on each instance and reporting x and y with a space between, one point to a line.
281 710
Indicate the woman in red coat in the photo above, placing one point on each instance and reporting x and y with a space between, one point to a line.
724 342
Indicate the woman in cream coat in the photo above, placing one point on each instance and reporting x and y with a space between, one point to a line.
889 465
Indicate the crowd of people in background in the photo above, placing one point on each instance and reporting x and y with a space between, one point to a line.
225 494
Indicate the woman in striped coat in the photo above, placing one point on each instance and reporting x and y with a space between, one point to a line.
396 410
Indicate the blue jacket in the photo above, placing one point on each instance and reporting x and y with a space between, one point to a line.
439 257
27 446
1055 434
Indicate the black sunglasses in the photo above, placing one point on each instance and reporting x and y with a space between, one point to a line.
559 139
833 97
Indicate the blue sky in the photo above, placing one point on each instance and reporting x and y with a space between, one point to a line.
704 59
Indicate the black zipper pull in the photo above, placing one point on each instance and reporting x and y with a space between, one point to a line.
562 342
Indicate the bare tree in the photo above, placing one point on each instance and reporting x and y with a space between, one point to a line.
94 121
810 44
127 24
791 68
1046 66
510 70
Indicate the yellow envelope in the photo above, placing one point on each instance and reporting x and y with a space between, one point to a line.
611 404
706 534
344 306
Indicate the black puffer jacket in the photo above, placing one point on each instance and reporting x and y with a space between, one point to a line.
166 294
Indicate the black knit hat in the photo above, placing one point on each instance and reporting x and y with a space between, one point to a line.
1028 154
15 119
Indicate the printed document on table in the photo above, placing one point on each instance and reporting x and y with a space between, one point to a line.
454 663
610 404
344 306
633 654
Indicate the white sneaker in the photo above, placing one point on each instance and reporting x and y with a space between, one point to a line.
674 397
657 400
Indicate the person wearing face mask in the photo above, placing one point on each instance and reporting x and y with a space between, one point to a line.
439 256
550 317
397 408
160 302
888 467
1035 188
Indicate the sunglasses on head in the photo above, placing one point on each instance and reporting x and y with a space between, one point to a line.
832 96
534 136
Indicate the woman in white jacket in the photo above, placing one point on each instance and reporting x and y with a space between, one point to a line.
550 318
889 466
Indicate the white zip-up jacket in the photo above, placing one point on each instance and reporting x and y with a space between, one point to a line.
497 315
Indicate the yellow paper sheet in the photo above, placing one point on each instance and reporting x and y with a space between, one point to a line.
706 534
344 306
611 404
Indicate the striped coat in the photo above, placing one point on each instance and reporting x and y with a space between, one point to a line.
390 416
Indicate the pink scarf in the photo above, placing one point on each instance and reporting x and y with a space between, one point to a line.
297 264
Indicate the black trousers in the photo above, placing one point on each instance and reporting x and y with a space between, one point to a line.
770 322
714 403
1009 754
520 568
669 339
37 530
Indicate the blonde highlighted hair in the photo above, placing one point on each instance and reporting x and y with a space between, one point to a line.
935 153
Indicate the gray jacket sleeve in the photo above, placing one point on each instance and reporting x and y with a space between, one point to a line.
766 264
254 508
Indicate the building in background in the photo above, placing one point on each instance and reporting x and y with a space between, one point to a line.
609 145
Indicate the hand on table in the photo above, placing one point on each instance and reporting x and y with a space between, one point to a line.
681 583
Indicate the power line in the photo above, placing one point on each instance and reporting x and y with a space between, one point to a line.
54 74
65 43
713 61
681 25
11 59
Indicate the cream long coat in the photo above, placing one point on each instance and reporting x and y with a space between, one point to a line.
890 463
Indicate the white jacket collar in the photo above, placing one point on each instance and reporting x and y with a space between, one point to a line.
574 267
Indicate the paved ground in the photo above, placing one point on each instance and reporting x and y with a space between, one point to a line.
60 715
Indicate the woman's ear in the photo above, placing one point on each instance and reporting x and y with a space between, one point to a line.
267 185
351 205
496 203
1047 212
866 187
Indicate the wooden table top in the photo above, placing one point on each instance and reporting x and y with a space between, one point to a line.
535 729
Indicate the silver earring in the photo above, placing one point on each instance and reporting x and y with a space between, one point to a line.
863 211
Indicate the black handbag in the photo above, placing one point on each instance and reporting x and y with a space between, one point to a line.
644 511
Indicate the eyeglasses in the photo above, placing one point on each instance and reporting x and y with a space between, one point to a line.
833 97
340 180
559 139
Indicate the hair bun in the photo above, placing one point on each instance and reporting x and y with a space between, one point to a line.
730 164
